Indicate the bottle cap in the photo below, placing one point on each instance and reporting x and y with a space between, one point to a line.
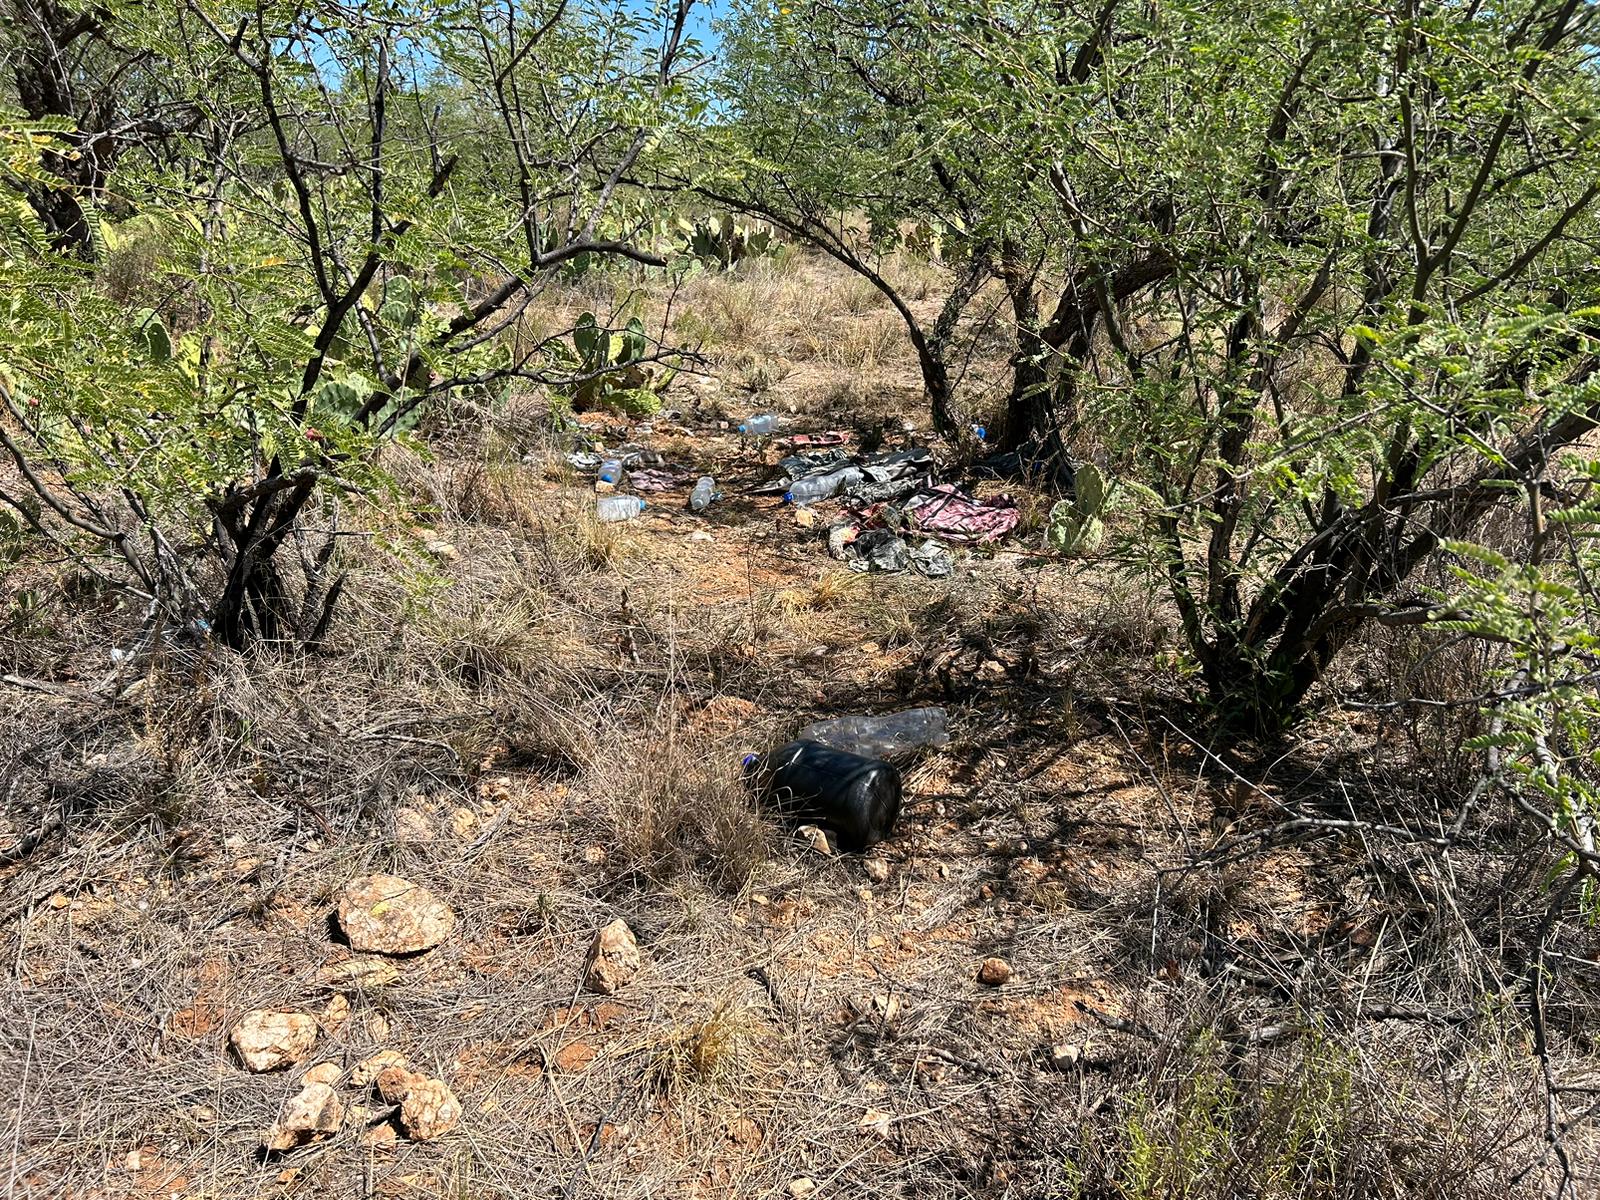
788 497
747 760
741 427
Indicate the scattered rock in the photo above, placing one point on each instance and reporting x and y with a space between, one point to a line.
368 1069
702 535
462 822
395 1081
613 958
267 1039
315 1112
594 855
815 838
381 1134
444 550
877 870
335 1013
390 915
377 1027
877 1121
1064 1056
886 1006
429 1110
802 1186
323 1072
994 972
804 518
411 826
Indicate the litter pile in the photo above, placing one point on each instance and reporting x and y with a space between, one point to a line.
890 498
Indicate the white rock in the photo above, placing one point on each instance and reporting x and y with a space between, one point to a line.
815 838
390 915
267 1039
316 1112
613 958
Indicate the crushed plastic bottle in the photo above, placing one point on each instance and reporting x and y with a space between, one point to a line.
611 471
618 508
760 425
887 735
857 798
820 487
705 491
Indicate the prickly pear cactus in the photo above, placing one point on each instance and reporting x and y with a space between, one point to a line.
152 335
1075 525
719 242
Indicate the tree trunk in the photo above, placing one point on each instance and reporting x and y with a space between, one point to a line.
1029 417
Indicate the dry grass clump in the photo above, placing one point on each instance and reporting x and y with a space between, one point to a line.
720 1051
867 345
672 804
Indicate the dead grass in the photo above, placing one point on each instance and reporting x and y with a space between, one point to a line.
544 724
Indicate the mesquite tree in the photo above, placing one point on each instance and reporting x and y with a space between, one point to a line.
369 197
1265 248
1337 265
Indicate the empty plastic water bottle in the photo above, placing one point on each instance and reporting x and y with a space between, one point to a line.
611 471
888 735
618 508
857 798
820 487
759 426
705 491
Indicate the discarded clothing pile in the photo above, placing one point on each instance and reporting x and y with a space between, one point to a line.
810 475
945 511
872 540
664 479
1041 464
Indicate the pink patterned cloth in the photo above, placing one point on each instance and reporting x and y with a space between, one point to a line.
945 511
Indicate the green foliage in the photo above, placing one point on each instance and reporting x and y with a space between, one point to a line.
611 368
202 343
721 243
1075 526
1290 1134
1255 253
1543 713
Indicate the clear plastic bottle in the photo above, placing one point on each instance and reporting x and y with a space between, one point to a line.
887 735
705 491
760 425
618 508
611 471
820 487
